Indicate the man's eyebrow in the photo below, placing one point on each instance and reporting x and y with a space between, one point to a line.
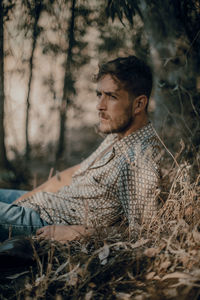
108 93
111 93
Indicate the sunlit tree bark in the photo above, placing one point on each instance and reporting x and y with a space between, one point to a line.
35 13
3 157
68 89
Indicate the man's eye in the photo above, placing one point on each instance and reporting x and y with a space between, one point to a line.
113 97
98 94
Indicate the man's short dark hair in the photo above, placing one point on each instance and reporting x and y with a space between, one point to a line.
133 73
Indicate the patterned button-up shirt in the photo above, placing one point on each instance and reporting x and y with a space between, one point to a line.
119 179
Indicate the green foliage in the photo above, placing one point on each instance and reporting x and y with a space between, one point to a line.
122 9
184 14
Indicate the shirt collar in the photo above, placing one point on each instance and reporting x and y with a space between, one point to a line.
139 136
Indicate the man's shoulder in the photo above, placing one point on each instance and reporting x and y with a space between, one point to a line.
140 141
143 151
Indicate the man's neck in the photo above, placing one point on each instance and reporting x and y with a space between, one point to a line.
136 125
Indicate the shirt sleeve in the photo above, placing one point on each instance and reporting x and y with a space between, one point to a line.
138 187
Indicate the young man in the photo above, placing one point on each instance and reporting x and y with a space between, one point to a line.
119 180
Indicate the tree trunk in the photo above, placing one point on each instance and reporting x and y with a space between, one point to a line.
177 114
30 80
3 157
68 89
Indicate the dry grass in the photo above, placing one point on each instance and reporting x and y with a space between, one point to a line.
164 263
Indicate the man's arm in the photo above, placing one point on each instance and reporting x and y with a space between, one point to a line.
54 184
139 190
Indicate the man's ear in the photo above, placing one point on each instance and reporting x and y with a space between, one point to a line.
140 104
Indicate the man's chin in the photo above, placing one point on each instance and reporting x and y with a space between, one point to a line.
104 129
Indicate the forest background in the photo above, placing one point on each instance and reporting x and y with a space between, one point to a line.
49 52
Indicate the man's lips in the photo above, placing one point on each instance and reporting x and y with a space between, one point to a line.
103 117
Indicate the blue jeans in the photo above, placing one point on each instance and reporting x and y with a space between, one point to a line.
9 196
17 220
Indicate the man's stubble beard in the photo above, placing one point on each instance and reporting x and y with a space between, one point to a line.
119 129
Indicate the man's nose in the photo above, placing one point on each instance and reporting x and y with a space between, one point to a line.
102 103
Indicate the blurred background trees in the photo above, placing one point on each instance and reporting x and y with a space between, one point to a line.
49 53
4 12
3 157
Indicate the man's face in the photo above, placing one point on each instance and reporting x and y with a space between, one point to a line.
114 106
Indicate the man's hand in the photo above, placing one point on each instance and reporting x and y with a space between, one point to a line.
62 233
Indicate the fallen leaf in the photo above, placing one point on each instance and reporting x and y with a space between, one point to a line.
150 275
84 249
151 252
165 265
103 254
